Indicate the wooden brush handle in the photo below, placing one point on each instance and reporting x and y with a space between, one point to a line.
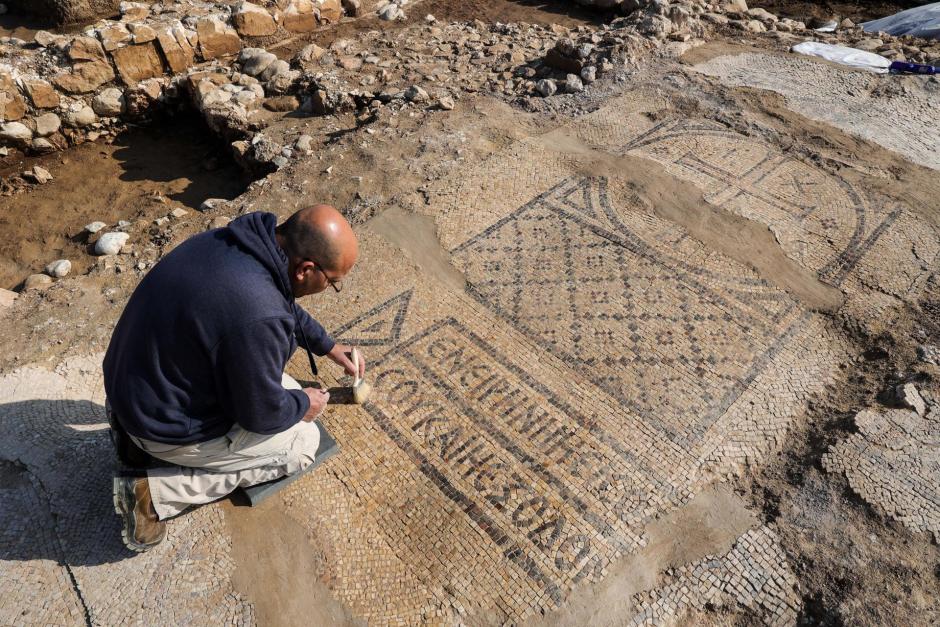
355 360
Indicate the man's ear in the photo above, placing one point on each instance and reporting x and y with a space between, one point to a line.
302 268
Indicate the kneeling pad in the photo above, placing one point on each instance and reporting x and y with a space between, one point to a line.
259 493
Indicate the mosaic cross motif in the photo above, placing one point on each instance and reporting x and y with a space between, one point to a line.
671 329
820 220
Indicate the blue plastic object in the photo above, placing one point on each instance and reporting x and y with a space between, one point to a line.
903 67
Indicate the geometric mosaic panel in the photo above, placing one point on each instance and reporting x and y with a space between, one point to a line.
674 330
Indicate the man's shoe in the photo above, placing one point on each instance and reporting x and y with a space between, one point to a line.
142 529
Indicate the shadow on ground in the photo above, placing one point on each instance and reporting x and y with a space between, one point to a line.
56 465
182 151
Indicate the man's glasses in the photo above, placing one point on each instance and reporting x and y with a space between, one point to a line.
336 285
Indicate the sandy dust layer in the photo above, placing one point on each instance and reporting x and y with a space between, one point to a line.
279 570
416 235
707 525
893 111
669 197
142 175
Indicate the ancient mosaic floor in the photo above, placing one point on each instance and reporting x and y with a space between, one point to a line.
601 368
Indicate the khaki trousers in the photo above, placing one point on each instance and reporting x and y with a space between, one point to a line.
207 471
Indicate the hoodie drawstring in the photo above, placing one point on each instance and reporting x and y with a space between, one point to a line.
303 334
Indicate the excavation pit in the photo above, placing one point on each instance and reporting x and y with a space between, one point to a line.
143 175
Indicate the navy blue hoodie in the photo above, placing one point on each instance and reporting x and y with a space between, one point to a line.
205 337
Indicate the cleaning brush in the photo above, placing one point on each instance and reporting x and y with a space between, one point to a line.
360 389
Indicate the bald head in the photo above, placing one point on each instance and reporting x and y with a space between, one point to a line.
322 234
317 235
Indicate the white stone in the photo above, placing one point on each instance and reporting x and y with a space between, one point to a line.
37 282
39 174
59 268
391 12
16 132
111 243
546 87
281 82
109 103
416 94
589 74
246 98
446 103
178 213
7 298
908 396
304 143
277 68
80 118
929 353
94 227
41 146
47 124
215 96
573 84
762 14
44 38
255 60
211 203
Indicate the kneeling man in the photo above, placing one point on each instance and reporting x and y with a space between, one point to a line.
194 370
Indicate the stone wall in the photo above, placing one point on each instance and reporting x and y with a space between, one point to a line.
61 90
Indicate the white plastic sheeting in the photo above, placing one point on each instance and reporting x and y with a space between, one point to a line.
921 21
844 56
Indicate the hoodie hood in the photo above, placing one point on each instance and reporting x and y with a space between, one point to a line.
254 232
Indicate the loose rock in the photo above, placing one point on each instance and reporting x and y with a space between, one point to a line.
7 298
80 118
38 174
109 103
546 87
111 243
37 282
907 395
589 74
255 60
59 268
416 94
446 103
15 132
304 143
211 203
47 124
253 21
573 84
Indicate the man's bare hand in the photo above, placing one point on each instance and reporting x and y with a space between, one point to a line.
342 354
318 401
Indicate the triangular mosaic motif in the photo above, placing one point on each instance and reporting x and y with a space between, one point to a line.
380 326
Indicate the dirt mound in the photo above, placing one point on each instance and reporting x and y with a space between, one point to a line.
65 11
